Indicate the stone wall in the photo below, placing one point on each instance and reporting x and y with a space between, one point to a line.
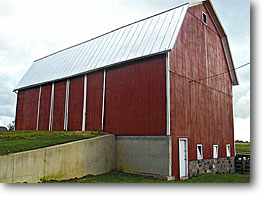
76 159
144 155
205 166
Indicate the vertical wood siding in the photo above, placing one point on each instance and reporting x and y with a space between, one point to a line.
136 98
197 12
59 106
76 98
200 111
27 109
175 156
94 100
45 106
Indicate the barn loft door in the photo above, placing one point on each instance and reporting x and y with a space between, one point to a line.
183 158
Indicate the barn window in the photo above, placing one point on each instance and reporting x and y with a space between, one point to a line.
199 152
204 18
215 151
228 151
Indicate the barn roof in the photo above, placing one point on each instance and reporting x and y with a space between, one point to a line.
150 36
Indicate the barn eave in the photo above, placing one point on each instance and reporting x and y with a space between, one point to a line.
91 71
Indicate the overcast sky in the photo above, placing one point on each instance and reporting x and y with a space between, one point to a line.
31 29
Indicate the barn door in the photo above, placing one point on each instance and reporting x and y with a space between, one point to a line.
183 157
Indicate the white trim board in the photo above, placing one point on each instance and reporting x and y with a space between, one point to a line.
38 115
51 110
66 105
84 104
103 100
168 91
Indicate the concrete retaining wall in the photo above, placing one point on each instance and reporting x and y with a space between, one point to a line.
76 159
144 154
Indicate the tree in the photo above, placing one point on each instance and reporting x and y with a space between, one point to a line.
11 126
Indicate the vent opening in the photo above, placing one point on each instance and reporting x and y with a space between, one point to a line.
204 18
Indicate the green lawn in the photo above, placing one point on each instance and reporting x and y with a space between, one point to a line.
121 177
243 148
17 141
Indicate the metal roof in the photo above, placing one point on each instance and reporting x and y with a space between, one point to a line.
146 37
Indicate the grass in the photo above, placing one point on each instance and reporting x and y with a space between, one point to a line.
243 148
121 177
17 141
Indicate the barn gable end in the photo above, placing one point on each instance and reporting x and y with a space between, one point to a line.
200 107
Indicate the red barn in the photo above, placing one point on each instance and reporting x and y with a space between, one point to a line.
169 75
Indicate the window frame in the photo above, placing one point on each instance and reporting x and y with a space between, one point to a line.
228 155
215 145
204 14
199 157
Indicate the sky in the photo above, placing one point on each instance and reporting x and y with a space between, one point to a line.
31 29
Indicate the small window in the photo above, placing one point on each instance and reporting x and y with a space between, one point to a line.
199 152
204 18
228 151
215 151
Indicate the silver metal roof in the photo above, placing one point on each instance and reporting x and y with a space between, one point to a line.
146 37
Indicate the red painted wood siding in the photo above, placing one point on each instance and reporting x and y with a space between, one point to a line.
45 106
175 156
59 106
136 98
76 99
94 100
27 109
197 12
200 111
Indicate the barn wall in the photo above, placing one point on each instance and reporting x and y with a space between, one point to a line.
76 99
135 102
27 109
59 105
94 100
200 110
45 106
136 98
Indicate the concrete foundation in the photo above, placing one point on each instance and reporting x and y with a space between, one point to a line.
147 155
144 155
76 159
205 166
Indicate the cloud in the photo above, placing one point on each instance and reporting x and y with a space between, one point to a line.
7 99
4 121
7 110
242 129
242 106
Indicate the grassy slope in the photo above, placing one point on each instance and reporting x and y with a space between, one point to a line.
121 177
17 141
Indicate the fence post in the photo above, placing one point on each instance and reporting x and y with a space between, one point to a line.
243 166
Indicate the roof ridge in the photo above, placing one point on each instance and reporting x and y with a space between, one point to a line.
111 31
